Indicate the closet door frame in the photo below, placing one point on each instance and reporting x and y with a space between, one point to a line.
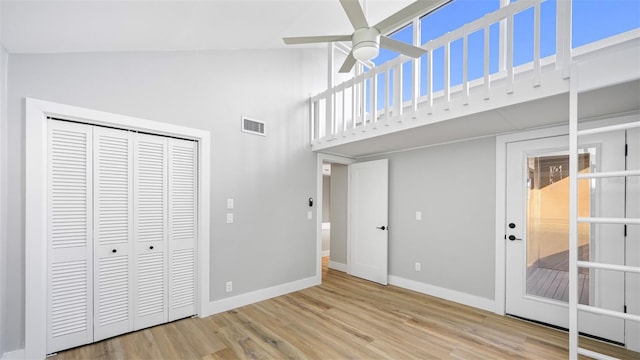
37 113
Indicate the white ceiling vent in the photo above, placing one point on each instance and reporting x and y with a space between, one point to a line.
253 126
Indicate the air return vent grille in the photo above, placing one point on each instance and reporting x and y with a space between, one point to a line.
253 126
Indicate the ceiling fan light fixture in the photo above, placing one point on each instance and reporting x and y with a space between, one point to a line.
366 44
366 50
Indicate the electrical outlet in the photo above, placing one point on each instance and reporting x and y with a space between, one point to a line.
229 218
229 204
229 286
418 215
418 266
309 215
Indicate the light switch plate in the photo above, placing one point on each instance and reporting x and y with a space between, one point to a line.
229 218
418 215
229 204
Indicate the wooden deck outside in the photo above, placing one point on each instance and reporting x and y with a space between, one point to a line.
554 284
549 277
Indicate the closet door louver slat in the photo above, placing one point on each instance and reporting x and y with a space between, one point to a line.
69 245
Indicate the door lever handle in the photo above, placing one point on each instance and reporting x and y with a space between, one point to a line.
382 227
513 237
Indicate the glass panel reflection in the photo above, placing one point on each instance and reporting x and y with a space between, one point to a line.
548 226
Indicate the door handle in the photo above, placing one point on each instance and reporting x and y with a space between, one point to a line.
382 227
513 237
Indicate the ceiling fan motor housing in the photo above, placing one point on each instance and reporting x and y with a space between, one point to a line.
366 43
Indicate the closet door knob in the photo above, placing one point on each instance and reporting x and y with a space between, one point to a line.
114 251
151 247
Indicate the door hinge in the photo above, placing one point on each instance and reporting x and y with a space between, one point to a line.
625 309
625 230
626 149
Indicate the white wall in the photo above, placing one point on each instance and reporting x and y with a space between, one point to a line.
326 214
3 191
208 90
326 198
3 196
454 187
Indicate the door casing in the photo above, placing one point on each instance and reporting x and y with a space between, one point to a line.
327 158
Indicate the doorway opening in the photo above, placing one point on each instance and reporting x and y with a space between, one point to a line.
334 216
358 213
326 213
331 213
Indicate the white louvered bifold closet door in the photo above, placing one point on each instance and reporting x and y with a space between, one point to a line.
182 228
122 215
69 245
150 230
113 231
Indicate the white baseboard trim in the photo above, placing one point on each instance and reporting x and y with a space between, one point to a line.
447 294
14 355
337 266
326 253
218 306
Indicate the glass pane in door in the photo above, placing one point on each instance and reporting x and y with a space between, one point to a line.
548 226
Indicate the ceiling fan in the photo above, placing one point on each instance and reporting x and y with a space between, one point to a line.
367 39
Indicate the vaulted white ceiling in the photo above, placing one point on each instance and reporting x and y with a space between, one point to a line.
52 26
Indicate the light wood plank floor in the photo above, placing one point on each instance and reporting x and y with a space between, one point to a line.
345 318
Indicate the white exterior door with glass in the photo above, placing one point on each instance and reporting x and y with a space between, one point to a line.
536 232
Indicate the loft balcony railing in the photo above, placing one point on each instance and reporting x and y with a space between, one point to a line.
354 104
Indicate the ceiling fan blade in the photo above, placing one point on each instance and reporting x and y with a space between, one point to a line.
355 13
348 63
315 39
402 17
401 47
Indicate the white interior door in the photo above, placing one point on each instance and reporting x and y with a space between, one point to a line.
368 210
536 232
